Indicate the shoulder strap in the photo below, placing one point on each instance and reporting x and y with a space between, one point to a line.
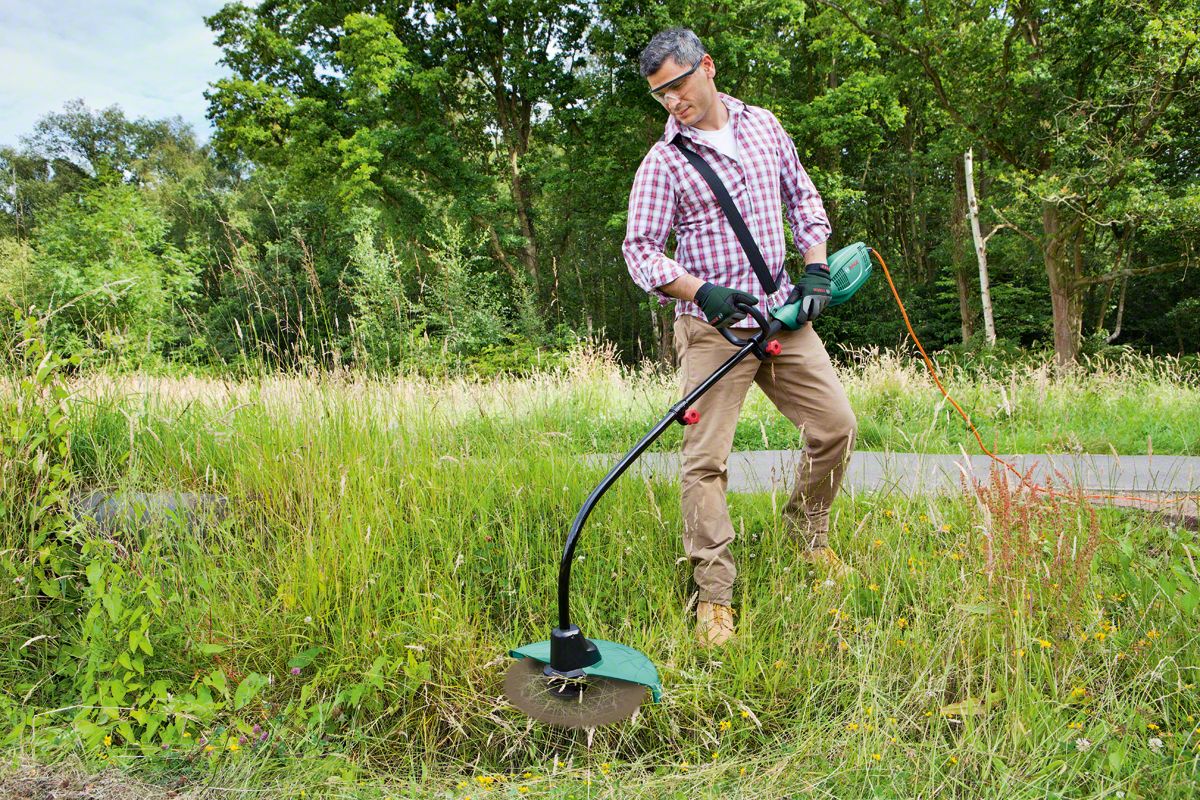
769 284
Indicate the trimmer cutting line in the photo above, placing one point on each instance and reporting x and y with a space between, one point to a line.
574 682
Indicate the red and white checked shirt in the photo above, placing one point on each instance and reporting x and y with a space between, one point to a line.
668 193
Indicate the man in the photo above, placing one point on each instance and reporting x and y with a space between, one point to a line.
709 276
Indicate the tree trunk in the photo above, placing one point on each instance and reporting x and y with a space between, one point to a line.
958 234
1065 300
985 292
524 204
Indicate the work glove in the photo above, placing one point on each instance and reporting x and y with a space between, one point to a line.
816 291
720 304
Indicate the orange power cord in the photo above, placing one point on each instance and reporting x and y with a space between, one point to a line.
1033 487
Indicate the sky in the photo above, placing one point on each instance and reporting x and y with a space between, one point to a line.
153 59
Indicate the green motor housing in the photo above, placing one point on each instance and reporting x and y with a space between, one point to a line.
849 269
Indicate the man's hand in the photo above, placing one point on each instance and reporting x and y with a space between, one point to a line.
815 290
720 304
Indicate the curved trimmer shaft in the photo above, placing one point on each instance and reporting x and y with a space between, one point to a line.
570 652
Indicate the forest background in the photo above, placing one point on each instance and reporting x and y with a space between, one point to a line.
439 186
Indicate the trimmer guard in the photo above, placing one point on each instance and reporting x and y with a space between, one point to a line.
616 661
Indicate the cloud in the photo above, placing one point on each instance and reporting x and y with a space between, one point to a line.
152 59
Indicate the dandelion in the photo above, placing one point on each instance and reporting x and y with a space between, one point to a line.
725 725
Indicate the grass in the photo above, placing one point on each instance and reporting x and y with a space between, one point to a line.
393 539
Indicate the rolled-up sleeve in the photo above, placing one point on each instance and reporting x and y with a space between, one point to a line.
803 205
651 215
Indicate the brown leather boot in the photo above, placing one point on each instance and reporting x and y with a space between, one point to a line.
714 624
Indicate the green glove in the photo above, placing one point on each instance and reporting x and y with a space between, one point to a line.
815 290
720 304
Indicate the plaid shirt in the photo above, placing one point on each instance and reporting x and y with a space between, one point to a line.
668 193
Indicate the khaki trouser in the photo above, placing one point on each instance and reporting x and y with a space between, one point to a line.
802 384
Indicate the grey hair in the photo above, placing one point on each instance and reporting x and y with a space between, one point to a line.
679 44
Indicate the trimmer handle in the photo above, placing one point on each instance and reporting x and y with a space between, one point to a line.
766 329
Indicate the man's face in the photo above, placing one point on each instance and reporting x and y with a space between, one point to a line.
685 90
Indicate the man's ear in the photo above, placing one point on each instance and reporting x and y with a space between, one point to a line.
708 65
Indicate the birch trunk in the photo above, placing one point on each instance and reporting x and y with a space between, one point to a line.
985 293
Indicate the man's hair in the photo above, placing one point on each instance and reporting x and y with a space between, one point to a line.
679 44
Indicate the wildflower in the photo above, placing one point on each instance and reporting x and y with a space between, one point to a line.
529 775
1082 744
295 670
1019 652
256 730
1075 726
853 726
877 756
462 784
725 725
902 622
953 759
779 663
233 746
945 529
715 755
1151 727
878 542
208 748
929 713
1152 634
605 767
1100 636
956 557
1078 692
108 741
1046 645
187 734
308 620
745 714
683 767
924 518
523 789
887 513
742 772
843 645
1155 744
874 587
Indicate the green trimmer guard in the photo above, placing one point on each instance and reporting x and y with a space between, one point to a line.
616 661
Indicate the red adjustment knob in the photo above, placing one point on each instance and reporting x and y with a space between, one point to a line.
774 348
691 416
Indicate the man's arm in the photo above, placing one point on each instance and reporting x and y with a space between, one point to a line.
802 202
647 226
683 288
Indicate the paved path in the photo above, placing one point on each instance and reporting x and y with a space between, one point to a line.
1151 477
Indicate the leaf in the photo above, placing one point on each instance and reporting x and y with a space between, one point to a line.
305 658
213 649
247 689
972 706
95 571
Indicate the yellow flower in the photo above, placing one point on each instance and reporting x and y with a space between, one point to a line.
887 513
1152 726
929 713
107 741
874 587
1079 691
233 746
877 756
879 542
605 767
208 748
1100 636
953 760
945 529
725 725
902 622
1019 652
187 734
683 767
529 775
1045 644
1152 634
715 755
853 726
745 714
523 789
924 518
742 772
1075 726
462 784
843 645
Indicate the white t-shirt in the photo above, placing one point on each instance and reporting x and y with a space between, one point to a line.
720 140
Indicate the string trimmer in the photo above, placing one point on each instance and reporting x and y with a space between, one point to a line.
574 682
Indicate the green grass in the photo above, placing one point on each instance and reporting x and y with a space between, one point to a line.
412 533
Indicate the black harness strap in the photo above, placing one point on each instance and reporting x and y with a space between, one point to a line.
769 284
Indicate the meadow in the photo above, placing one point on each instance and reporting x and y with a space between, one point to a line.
342 633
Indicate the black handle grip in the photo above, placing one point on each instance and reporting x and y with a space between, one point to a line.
757 316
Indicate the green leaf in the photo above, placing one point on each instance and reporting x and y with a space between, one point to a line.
247 689
212 649
304 658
